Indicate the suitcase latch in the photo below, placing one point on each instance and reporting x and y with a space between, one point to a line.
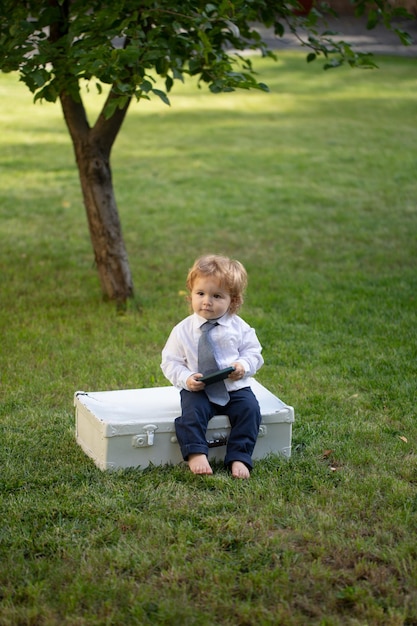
145 439
262 430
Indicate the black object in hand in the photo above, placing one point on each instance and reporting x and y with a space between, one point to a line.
214 377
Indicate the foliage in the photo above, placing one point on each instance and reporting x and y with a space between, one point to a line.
313 187
123 45
119 43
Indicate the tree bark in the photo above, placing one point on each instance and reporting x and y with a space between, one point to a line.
92 147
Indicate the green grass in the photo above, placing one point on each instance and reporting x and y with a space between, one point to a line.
313 187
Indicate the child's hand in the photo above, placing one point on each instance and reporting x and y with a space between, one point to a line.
238 372
193 382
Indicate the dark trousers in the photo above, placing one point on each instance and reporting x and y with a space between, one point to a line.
244 416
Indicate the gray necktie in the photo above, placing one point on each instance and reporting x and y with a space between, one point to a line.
216 392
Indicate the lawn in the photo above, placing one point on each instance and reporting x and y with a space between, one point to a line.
313 187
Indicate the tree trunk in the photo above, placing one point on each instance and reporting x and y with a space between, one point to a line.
104 223
92 148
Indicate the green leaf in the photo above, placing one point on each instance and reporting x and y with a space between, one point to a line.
178 75
263 87
162 95
168 83
210 8
161 66
373 19
113 104
48 93
40 77
404 37
333 63
279 29
195 66
110 108
146 86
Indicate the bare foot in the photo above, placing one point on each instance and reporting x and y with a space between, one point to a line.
239 470
198 464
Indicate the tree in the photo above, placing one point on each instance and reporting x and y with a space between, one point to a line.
55 45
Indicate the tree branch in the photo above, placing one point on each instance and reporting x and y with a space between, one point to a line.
75 117
107 128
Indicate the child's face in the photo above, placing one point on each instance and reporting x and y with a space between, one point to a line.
209 298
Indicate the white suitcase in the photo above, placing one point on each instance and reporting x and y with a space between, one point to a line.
135 427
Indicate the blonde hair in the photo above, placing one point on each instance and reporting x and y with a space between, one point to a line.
230 273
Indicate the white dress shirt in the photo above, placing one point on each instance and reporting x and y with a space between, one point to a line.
233 339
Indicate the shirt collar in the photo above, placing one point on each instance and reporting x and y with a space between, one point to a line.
223 320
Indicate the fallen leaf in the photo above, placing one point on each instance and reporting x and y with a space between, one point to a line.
403 438
327 453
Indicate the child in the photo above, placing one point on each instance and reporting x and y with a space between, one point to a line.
215 285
